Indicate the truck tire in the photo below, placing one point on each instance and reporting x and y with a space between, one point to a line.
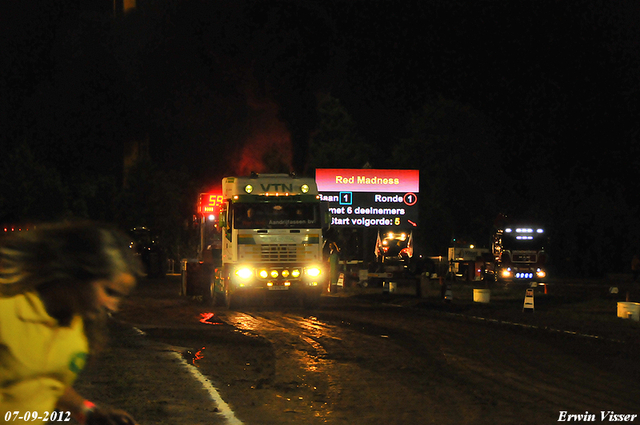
219 299
209 296
232 301
227 298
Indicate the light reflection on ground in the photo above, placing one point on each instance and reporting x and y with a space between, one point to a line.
198 356
301 339
210 319
310 330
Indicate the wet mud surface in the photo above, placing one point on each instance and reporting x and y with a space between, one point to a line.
379 360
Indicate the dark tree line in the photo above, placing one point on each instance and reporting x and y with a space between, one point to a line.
32 192
525 108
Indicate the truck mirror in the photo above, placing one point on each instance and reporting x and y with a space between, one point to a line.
222 220
326 215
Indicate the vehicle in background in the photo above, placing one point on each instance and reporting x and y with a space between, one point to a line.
150 251
394 258
468 262
394 249
518 250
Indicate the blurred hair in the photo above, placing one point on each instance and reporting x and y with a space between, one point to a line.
78 252
63 260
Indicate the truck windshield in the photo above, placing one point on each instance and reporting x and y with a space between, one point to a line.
276 216
512 243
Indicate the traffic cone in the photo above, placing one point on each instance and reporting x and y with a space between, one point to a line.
528 300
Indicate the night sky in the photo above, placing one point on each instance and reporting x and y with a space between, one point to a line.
215 85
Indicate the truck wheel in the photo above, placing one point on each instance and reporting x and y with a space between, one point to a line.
218 299
232 301
209 296
227 299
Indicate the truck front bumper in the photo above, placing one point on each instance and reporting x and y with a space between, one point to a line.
523 274
277 278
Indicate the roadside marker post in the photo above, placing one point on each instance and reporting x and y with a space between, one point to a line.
448 295
528 300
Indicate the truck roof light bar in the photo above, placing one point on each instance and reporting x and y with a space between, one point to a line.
523 230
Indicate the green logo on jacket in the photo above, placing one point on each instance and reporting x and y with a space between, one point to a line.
77 362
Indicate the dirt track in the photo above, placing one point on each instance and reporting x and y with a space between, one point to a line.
372 360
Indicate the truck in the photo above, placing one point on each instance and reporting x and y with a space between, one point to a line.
518 250
272 238
394 253
394 249
150 252
468 262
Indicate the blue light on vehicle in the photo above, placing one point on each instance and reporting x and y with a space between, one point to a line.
524 230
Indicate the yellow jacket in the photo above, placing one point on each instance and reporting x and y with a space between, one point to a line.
38 358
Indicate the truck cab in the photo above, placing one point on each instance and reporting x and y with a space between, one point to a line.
519 253
271 228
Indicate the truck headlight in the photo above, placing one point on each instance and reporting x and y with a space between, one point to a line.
506 273
541 273
263 274
313 271
244 273
295 273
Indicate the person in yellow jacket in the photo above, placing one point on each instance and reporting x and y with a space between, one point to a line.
57 285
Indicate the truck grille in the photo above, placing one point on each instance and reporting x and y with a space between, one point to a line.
524 258
278 252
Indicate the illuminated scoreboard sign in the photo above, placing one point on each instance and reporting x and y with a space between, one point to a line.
209 203
370 198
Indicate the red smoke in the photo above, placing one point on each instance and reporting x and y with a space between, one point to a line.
267 144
